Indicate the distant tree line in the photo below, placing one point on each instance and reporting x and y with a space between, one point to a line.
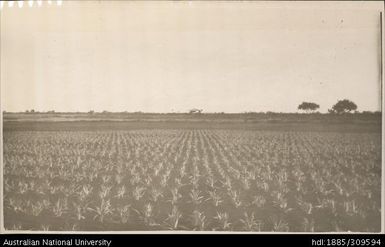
342 106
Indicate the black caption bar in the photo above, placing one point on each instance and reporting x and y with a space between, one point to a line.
109 240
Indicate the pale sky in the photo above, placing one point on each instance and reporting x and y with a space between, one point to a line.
174 56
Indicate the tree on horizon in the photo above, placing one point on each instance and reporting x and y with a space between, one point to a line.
343 106
308 106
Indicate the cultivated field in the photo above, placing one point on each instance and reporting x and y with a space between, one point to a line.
192 179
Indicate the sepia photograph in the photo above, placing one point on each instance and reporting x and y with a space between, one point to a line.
191 116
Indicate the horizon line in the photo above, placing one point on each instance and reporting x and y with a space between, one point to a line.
179 112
